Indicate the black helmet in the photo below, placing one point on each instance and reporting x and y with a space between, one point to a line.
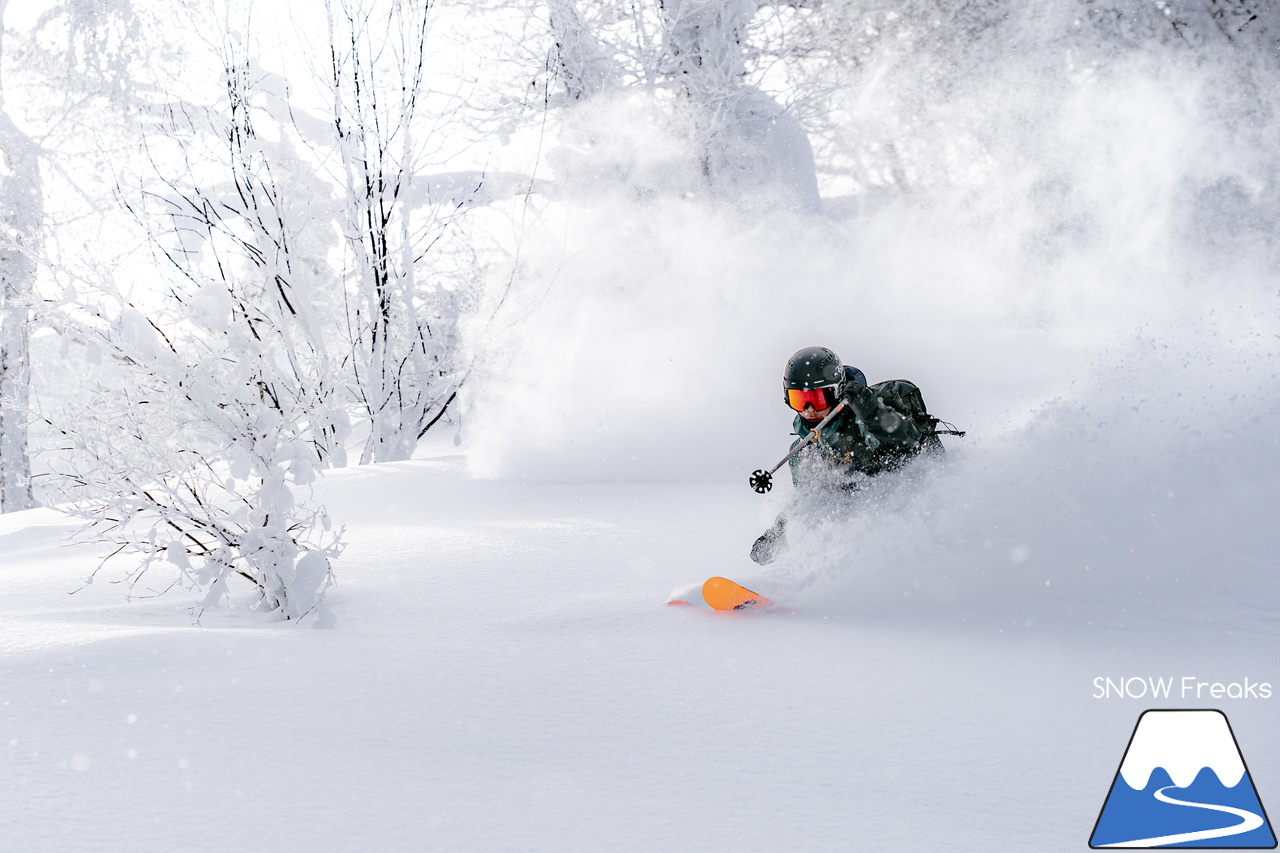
812 369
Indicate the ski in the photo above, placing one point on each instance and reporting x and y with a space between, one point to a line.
724 594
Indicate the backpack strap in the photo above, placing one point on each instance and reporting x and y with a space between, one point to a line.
950 428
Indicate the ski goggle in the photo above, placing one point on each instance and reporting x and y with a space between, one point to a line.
819 398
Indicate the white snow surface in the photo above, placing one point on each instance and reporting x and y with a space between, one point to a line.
1183 743
502 673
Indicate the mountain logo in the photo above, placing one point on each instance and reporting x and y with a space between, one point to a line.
1183 783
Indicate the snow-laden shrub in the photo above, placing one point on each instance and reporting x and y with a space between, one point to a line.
221 398
192 454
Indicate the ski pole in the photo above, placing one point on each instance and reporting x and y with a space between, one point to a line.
762 480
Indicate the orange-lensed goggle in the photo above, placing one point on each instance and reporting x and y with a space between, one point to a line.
819 398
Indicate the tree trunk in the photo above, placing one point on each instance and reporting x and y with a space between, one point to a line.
20 214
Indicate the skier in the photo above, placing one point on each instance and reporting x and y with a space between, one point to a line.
878 430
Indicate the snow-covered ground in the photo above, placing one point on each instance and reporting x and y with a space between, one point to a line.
502 673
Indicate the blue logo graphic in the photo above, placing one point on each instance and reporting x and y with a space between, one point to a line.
1183 783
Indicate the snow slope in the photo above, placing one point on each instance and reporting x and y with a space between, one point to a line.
502 674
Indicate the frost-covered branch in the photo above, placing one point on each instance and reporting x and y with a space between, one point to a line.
199 455
400 327
186 464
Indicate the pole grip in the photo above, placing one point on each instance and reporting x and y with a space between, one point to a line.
811 438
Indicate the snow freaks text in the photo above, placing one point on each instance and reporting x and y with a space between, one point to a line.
1186 687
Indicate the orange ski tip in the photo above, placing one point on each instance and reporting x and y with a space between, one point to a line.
724 594
675 602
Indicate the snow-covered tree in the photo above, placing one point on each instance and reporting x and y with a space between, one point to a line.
399 323
883 87
75 69
230 372
746 137
21 203
220 400
19 228
195 462
239 217
788 93
704 53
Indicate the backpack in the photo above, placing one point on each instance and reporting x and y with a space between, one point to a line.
905 398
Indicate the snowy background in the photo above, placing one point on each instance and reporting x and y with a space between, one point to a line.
1062 227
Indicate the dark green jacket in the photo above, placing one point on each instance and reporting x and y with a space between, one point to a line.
867 437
